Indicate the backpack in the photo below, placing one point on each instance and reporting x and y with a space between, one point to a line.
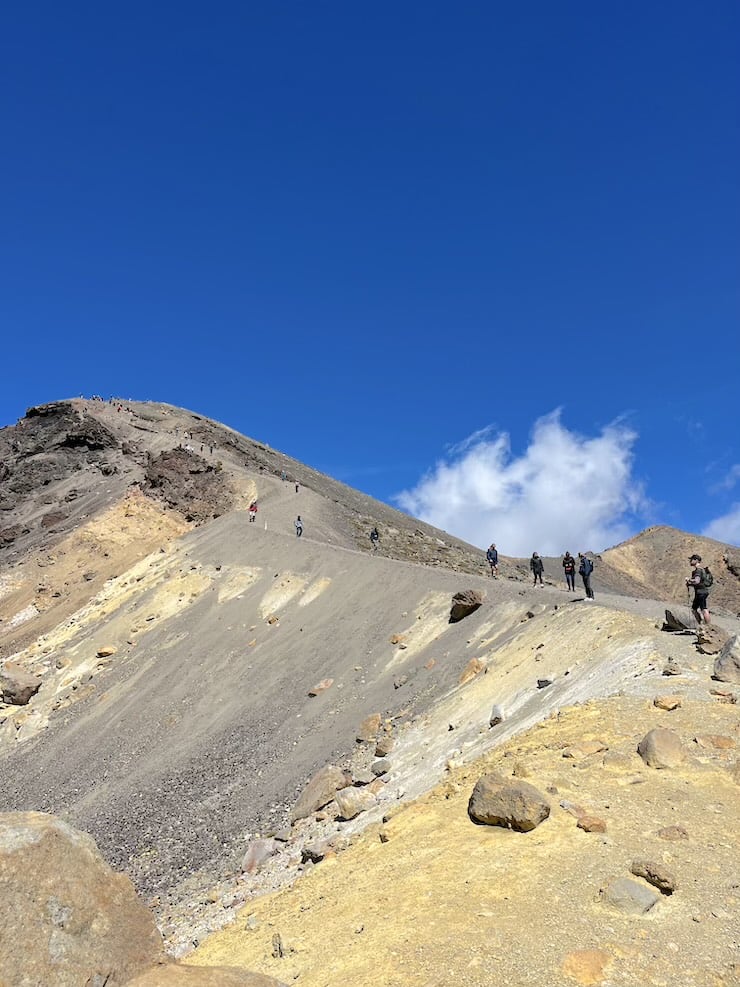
707 579
586 567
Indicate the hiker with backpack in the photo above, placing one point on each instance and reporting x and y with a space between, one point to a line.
492 557
585 569
253 511
298 526
701 579
538 567
569 568
374 539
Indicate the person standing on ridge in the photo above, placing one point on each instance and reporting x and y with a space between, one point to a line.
375 538
253 511
538 567
701 579
298 526
585 568
569 567
492 557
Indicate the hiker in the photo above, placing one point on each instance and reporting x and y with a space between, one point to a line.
374 538
569 568
253 511
701 579
492 556
298 526
538 567
297 486
585 568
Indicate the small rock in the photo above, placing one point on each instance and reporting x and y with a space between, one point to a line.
673 833
716 741
543 683
661 749
497 716
384 746
322 686
106 652
727 662
629 896
496 801
587 966
258 852
314 852
464 603
671 667
352 801
17 686
657 875
591 824
319 791
381 767
667 703
369 728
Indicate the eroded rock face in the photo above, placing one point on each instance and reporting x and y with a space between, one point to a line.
661 749
464 603
175 975
17 686
727 662
67 919
497 801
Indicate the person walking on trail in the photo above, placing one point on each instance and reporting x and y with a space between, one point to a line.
297 486
253 511
701 579
492 557
569 568
538 567
374 538
298 526
585 569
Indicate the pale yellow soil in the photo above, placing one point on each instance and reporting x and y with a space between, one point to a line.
445 901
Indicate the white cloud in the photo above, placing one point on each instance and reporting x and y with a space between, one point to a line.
566 491
725 528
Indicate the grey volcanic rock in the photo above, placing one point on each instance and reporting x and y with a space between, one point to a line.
464 603
727 662
67 918
629 896
496 801
17 686
661 748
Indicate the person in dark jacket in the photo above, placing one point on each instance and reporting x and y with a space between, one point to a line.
569 568
538 567
375 538
492 556
585 568
698 580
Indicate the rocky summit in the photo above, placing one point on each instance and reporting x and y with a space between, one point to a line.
231 755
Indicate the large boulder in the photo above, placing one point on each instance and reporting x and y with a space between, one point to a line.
17 686
176 975
319 791
498 801
463 603
67 919
661 748
727 662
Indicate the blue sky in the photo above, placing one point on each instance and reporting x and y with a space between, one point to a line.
483 256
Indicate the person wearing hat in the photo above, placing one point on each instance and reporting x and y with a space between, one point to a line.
698 579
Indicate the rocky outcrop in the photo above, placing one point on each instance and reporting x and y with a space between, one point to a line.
496 801
464 603
727 662
17 686
189 484
67 918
